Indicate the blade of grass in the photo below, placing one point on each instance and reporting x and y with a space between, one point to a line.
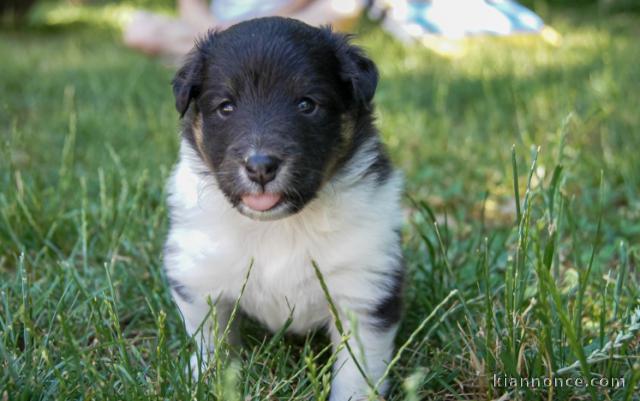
572 337
413 336
584 276
340 327
622 272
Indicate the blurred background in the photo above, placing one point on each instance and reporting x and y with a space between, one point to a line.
452 100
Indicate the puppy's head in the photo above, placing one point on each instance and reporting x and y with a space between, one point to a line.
269 105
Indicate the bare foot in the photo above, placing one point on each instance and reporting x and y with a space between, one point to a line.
198 14
158 34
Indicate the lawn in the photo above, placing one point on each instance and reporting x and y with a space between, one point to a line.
522 218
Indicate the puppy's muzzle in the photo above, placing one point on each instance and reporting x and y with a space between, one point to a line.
262 168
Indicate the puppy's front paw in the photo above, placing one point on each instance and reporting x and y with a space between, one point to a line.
340 393
198 364
347 397
354 388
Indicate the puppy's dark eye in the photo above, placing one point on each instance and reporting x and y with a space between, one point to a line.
225 109
307 106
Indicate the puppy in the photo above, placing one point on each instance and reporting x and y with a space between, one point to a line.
281 168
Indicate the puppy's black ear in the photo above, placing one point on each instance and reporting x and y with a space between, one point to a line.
357 69
188 80
186 83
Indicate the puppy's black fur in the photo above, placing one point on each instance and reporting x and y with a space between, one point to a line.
277 85
277 112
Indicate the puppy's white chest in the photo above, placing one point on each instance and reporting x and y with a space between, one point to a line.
283 287
348 231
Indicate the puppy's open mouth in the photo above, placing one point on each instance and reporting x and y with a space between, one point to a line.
264 206
261 202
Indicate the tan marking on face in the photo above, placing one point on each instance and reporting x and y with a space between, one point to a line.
199 138
346 133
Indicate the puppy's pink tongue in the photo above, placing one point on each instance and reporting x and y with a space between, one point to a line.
261 202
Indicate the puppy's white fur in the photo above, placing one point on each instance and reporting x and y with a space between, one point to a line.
349 230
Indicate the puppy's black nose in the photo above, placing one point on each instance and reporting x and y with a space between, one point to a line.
262 168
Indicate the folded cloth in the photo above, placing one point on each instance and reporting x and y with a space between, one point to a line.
237 10
454 19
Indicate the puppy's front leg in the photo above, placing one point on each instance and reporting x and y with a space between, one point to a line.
198 319
372 345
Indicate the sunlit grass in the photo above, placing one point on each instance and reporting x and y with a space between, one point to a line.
89 134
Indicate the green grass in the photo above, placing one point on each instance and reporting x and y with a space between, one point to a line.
546 285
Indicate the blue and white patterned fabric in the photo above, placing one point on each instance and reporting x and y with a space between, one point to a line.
460 18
